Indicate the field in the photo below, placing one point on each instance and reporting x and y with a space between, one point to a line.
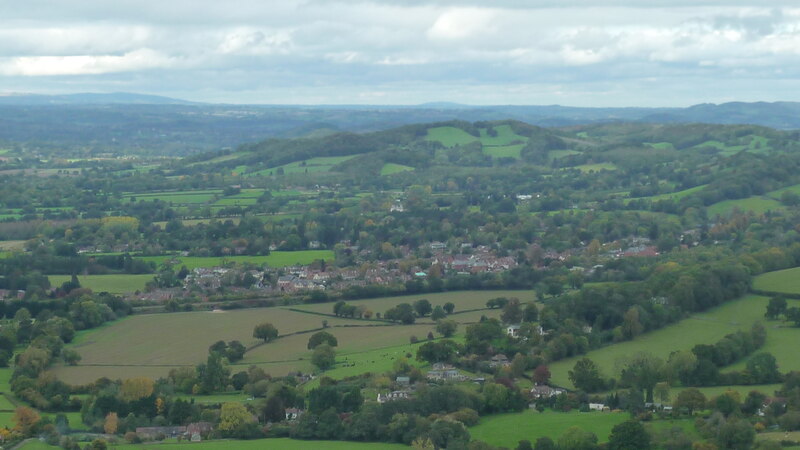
12 245
274 259
757 205
505 136
115 284
464 300
776 194
179 197
508 429
311 165
556 154
391 168
504 151
675 195
450 136
785 281
283 444
707 327
595 167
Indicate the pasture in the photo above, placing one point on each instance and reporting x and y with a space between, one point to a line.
464 300
450 136
702 328
504 151
504 136
757 205
391 168
177 197
675 195
776 194
115 284
274 259
556 154
281 443
508 429
785 281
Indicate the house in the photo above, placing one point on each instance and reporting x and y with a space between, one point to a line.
444 372
195 431
158 432
512 330
598 407
403 381
293 413
499 360
545 391
394 395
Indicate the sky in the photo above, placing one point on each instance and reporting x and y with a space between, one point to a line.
591 53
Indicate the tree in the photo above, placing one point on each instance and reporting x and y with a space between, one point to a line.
442 351
691 399
544 443
793 314
233 416
736 435
631 326
438 313
449 307
111 423
512 311
446 328
322 337
403 313
775 307
629 435
643 371
577 439
422 307
324 357
541 375
524 444
265 331
133 389
585 375
530 313
448 434
763 368
25 420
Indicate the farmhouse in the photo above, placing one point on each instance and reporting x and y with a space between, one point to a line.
512 330
293 413
394 395
499 360
545 391
157 432
444 372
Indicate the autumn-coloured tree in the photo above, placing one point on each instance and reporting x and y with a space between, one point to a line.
25 419
137 388
541 375
111 423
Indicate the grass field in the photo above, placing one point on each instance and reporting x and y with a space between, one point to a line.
757 205
274 259
463 300
311 165
450 136
179 197
504 151
776 194
595 167
391 168
707 327
282 443
505 136
115 284
12 245
556 154
660 145
785 281
675 195
508 429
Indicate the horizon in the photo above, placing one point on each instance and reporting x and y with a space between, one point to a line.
614 53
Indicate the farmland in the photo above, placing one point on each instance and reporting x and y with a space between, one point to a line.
274 259
115 284
391 168
756 205
508 429
450 136
707 327
785 281
282 443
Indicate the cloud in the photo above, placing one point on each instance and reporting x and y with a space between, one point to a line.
511 52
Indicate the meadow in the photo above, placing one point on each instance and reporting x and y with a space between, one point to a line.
783 281
281 443
311 165
756 205
115 284
178 197
703 328
508 429
274 259
391 168
450 136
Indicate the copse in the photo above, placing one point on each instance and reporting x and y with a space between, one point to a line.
322 337
265 331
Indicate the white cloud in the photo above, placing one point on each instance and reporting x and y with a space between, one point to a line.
35 66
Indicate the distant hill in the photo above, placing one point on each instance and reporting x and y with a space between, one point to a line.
116 98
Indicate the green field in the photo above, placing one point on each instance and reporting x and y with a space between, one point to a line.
504 151
178 197
776 194
660 145
464 300
505 136
784 281
311 165
675 195
450 136
508 429
115 284
283 444
595 167
707 327
274 259
556 154
391 168
756 205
